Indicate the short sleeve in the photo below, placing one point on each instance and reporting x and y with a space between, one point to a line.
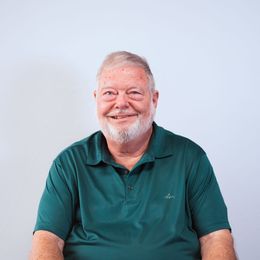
56 208
208 209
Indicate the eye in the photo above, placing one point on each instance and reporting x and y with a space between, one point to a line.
135 94
108 93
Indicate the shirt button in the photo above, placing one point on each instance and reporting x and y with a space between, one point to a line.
130 188
126 172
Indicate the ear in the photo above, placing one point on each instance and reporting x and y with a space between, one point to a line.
155 97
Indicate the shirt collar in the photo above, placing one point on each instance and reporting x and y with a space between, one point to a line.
159 145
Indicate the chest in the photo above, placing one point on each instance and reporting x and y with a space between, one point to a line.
152 195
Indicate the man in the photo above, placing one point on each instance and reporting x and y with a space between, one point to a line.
132 190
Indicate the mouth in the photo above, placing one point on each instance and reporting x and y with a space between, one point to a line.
122 116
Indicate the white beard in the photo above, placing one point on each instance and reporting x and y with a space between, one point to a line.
139 127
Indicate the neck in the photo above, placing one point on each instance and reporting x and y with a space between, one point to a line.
128 154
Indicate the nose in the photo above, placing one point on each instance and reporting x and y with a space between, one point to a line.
122 101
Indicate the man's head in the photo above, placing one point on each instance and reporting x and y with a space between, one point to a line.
122 58
126 97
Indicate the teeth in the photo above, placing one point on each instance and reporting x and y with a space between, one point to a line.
119 117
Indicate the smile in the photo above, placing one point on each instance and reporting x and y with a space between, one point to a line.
121 116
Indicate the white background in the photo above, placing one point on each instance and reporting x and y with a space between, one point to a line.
205 59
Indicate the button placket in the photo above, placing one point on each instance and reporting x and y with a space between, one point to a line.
130 187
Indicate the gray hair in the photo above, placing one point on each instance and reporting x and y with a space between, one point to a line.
121 58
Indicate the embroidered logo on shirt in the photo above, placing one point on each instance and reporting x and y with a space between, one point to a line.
169 196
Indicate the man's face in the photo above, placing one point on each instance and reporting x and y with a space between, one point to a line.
125 104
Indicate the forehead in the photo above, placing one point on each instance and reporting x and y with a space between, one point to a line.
123 74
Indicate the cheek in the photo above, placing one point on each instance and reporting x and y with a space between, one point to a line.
143 107
103 107
149 109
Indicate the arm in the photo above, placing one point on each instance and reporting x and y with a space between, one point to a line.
218 245
46 246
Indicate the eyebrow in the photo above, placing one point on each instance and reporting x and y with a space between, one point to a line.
104 88
127 89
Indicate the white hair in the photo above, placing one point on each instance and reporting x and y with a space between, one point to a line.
121 58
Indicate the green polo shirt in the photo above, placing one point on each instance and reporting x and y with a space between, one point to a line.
157 211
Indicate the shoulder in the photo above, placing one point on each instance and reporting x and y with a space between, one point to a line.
79 150
178 144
